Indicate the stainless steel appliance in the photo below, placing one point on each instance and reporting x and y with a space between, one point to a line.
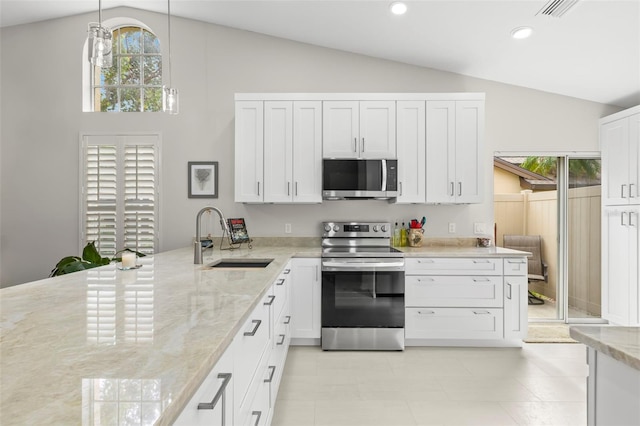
346 179
362 287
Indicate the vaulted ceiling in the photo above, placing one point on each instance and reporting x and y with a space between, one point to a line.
592 52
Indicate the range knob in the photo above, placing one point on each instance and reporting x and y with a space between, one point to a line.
384 228
336 228
327 227
375 228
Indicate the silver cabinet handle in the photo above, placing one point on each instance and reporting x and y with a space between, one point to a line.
362 144
481 280
273 372
355 144
296 193
452 193
257 413
270 302
519 262
280 282
630 219
258 187
255 329
287 320
220 394
509 291
400 184
481 312
622 218
631 190
288 188
286 271
459 189
481 261
425 279
282 339
426 312
622 187
426 261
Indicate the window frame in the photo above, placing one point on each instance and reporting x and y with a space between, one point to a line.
120 140
88 70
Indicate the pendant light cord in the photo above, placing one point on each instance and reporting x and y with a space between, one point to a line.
100 13
169 34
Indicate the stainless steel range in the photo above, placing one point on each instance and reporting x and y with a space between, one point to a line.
362 287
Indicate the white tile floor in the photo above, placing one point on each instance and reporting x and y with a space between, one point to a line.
539 384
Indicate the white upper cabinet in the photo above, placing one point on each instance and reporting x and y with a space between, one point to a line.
359 129
410 127
249 147
455 132
620 145
307 152
278 151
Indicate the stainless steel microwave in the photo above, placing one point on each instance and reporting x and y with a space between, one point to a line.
347 179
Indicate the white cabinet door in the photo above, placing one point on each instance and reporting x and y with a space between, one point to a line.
614 141
469 144
340 129
378 129
249 152
359 129
278 151
440 151
455 133
306 299
620 145
411 146
616 271
454 323
516 323
307 152
212 404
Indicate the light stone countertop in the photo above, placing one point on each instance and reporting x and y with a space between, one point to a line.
99 345
460 251
620 343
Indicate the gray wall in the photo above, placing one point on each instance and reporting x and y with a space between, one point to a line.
42 118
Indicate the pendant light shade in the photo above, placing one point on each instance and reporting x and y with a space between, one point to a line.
100 42
169 94
170 100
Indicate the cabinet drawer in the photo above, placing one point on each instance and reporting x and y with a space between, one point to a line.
254 410
453 266
453 291
454 323
250 343
281 291
516 266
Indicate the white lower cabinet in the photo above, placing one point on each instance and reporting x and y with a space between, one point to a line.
458 300
245 380
306 301
212 404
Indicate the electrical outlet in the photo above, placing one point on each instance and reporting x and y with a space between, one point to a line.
287 228
479 228
452 228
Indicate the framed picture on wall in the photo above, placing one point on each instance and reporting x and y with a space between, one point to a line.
203 179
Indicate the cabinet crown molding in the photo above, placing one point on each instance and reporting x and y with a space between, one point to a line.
359 96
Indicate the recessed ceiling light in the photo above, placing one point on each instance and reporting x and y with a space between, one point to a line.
398 8
521 32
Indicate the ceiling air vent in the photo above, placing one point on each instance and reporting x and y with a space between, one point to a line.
557 8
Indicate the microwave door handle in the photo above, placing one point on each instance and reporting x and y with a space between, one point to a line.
384 175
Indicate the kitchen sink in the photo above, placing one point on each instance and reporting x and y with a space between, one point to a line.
239 262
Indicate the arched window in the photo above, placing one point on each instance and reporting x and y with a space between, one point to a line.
134 82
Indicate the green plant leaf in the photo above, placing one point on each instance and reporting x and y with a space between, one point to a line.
90 253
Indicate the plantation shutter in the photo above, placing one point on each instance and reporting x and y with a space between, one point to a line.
120 192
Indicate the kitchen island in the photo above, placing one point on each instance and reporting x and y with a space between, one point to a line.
613 385
91 346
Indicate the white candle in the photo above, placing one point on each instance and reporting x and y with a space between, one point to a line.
128 259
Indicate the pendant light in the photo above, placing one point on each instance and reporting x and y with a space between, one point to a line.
99 42
169 94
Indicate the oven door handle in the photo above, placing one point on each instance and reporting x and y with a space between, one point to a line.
360 265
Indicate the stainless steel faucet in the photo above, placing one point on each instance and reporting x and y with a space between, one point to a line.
197 248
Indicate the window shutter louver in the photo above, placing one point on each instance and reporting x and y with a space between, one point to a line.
120 193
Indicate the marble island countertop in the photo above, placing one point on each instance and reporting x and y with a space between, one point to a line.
120 347
620 343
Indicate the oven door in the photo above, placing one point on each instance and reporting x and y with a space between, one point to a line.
361 293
